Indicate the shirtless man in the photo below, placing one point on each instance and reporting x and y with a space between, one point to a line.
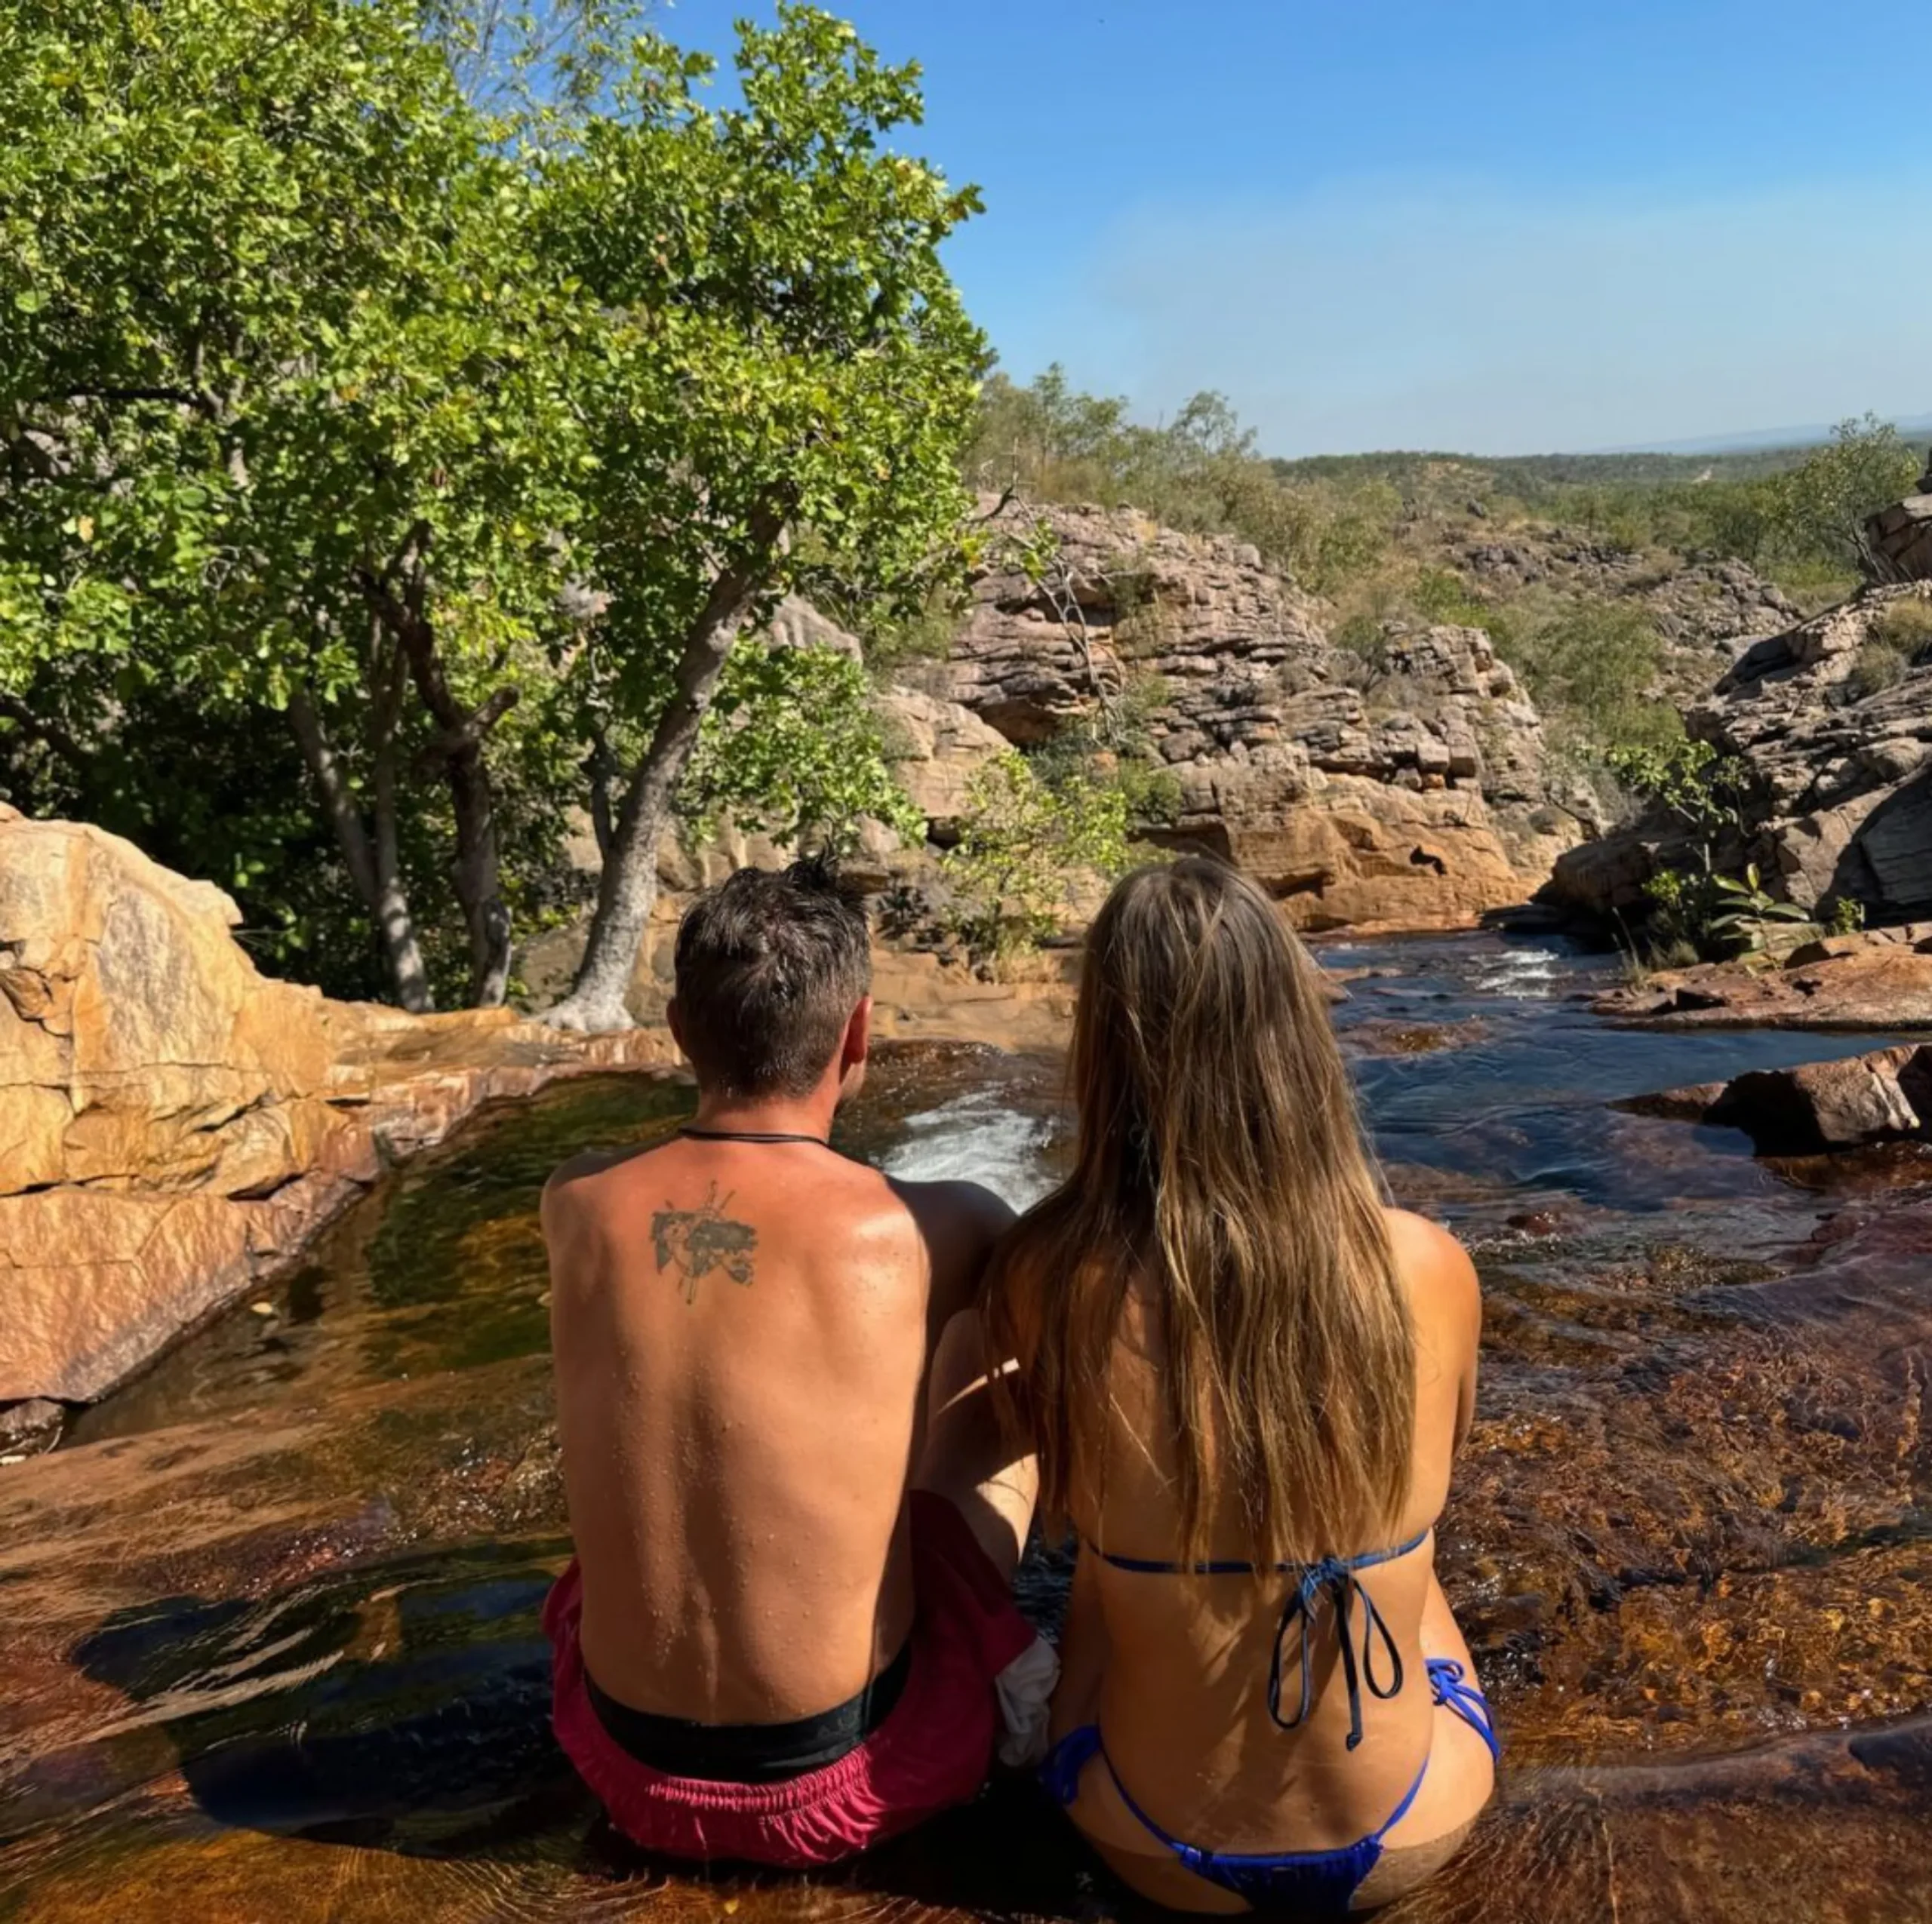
769 1647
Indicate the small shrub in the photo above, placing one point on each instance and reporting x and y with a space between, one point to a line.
1904 626
1751 918
1441 594
1878 666
1703 790
1683 907
1023 843
1847 918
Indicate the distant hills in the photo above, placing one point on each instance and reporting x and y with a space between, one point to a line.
1439 474
1442 480
1916 427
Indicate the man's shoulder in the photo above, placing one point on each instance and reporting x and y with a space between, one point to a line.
588 1181
956 1207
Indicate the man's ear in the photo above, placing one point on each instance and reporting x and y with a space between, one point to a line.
675 1020
858 1038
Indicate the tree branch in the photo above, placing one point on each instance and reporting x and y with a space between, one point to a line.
176 397
472 729
49 733
337 802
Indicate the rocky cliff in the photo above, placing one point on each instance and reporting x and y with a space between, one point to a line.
1703 611
1413 795
1833 719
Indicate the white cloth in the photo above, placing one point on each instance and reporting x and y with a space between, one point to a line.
1025 1689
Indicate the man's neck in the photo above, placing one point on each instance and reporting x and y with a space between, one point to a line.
801 1115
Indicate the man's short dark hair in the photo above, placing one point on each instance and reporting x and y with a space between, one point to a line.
770 967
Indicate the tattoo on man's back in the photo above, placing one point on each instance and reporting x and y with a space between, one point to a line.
697 1241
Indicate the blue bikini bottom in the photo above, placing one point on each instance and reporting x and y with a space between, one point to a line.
1308 1883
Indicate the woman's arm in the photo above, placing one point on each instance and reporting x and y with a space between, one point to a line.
1447 1296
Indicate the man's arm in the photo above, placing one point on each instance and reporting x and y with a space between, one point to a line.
961 1224
970 1455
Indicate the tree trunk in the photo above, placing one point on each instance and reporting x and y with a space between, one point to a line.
477 870
628 888
477 874
391 906
377 881
600 768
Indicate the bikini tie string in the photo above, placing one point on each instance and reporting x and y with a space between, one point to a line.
1333 1582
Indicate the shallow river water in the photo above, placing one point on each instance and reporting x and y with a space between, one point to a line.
268 1636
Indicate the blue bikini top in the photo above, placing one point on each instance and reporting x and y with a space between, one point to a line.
1332 1581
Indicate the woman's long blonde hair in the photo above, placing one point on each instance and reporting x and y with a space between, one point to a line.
1220 1156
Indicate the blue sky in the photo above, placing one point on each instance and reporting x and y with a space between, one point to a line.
1489 226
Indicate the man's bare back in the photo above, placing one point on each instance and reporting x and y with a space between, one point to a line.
789 1633
742 1333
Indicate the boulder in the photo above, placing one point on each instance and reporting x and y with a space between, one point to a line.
1856 1103
1819 1106
1900 536
174 1125
137 1043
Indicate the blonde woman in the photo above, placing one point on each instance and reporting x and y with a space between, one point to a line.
1247 1379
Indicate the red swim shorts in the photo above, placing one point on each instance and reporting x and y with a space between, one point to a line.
933 1751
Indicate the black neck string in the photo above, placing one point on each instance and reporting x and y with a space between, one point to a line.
750 1136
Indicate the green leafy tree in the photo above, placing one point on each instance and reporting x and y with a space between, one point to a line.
792 747
784 374
279 422
1201 471
1024 843
1819 509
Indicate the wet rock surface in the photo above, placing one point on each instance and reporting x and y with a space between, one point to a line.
270 1648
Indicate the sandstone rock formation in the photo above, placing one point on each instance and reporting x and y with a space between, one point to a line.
1816 1108
1842 763
1900 536
172 1124
937 748
1418 799
1702 611
1881 979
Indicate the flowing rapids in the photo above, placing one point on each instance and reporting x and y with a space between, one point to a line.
268 1618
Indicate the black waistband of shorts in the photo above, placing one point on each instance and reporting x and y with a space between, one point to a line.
751 1753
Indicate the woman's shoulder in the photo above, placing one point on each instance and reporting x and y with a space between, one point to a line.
1434 1268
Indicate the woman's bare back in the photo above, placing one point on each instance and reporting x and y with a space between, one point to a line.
1175 1669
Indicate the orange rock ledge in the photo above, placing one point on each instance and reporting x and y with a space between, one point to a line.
175 1125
